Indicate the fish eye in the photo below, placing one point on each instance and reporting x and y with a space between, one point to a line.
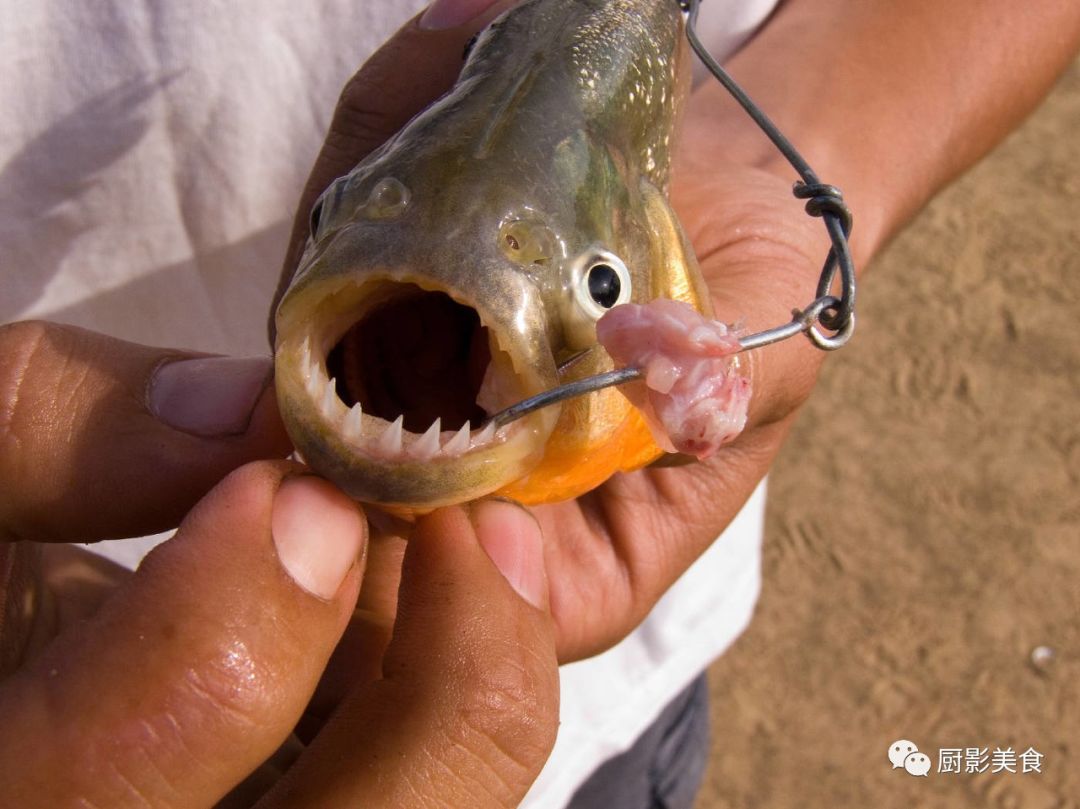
604 283
316 215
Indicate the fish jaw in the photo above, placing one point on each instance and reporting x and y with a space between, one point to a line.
598 435
375 455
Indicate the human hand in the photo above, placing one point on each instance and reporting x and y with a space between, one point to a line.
613 552
170 686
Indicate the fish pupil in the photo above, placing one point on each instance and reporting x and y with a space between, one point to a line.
604 285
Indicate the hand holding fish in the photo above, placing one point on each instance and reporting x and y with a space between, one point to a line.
613 549
182 678
622 543
172 685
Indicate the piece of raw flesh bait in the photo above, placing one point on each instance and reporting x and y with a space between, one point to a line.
695 399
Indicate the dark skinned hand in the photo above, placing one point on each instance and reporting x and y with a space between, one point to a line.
610 554
180 685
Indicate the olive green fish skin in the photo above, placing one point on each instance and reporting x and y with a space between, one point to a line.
553 150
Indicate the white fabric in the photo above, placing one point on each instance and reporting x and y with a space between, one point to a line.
610 699
150 158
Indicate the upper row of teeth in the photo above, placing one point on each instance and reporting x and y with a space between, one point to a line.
389 438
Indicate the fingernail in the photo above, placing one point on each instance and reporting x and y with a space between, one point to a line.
318 533
512 538
452 13
208 396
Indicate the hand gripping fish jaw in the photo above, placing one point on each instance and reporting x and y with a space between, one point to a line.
469 290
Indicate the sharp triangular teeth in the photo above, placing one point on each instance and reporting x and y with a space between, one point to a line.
427 445
389 443
329 398
314 387
486 434
460 442
353 422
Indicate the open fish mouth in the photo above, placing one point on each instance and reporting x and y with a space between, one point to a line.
384 374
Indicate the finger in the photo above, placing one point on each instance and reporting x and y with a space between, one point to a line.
44 588
19 598
358 657
100 438
466 712
75 583
198 668
415 66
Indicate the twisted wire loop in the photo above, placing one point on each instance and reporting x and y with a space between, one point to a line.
836 315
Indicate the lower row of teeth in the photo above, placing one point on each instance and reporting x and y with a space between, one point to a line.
392 439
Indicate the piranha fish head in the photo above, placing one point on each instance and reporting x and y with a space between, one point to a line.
462 268
395 342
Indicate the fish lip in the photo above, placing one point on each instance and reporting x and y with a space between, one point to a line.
368 461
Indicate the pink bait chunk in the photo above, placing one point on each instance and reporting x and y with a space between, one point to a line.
695 400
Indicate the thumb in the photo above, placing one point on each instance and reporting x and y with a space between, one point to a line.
197 669
103 439
467 709
413 68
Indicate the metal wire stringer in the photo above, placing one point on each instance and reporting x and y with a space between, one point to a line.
835 314
826 311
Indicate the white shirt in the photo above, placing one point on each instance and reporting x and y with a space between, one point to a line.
151 156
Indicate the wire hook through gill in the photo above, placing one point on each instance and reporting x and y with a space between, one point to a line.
826 311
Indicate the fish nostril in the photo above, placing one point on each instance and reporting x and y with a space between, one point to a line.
525 241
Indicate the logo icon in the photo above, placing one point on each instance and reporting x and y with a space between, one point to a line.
917 763
899 750
905 755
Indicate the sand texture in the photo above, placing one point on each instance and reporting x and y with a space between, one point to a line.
923 532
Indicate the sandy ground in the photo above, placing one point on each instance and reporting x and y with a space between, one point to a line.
923 533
